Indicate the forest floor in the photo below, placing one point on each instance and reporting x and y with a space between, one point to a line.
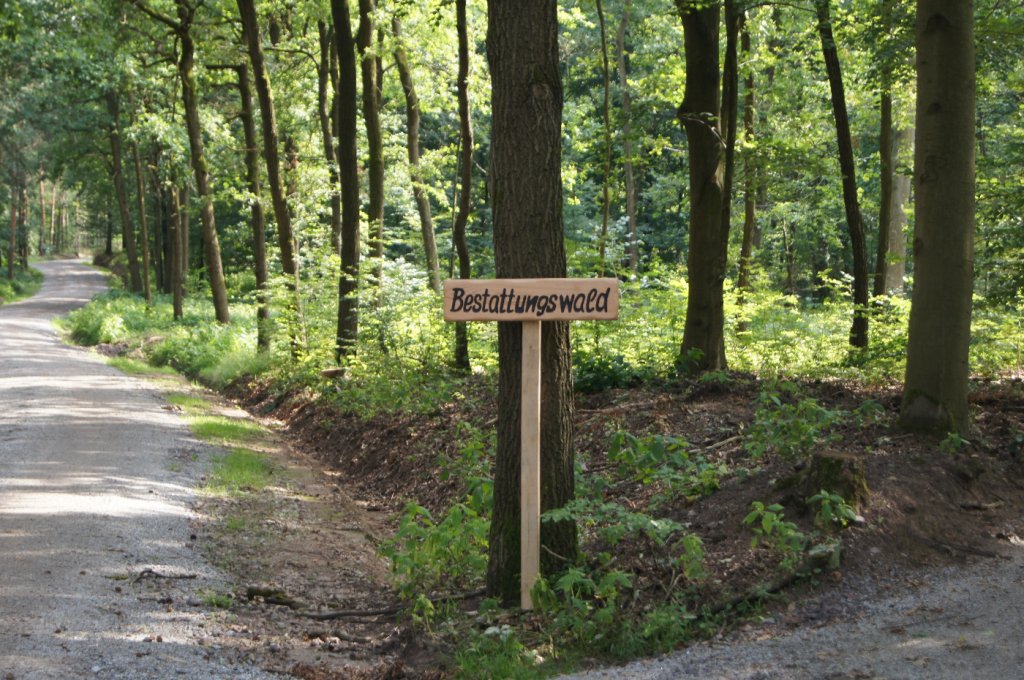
315 600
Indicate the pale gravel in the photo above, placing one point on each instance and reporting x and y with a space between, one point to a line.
97 485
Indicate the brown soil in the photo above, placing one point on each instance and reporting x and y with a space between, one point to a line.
311 548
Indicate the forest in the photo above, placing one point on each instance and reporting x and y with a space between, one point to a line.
813 209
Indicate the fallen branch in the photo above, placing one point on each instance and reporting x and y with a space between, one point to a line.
155 574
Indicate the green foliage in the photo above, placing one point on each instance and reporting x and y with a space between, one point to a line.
833 511
665 463
789 430
495 652
225 430
771 528
25 284
953 443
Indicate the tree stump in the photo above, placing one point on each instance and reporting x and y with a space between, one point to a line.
838 473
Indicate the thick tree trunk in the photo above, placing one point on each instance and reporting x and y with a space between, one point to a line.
522 49
348 164
211 243
140 194
935 393
848 168
117 178
412 137
704 332
325 108
374 140
257 218
465 176
278 197
633 247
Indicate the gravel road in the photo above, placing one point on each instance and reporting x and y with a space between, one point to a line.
956 623
98 576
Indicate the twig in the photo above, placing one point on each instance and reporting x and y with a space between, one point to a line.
155 574
386 611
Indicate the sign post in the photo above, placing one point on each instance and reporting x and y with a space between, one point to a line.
531 302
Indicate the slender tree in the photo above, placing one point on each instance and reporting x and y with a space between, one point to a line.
140 196
374 139
526 137
120 191
633 247
750 180
325 108
935 392
465 176
704 331
848 168
348 164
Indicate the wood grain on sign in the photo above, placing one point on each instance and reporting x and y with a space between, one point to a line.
531 299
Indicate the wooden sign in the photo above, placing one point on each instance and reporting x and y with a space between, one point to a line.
531 301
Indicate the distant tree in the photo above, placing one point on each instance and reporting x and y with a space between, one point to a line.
935 392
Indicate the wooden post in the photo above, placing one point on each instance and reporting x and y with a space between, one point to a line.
529 466
531 302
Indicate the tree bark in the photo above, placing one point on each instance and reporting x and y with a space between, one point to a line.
278 197
749 185
211 243
140 194
633 247
257 217
465 176
325 107
606 121
374 140
42 216
886 176
730 107
12 241
348 163
935 392
176 251
703 345
117 178
902 141
522 50
412 136
848 168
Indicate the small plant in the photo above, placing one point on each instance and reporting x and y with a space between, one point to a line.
771 528
212 598
833 511
953 443
664 461
239 470
790 430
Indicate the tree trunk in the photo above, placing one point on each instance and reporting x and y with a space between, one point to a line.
174 237
730 108
279 200
522 50
211 243
465 176
606 119
848 168
117 178
935 392
12 244
633 247
374 140
325 107
703 345
902 141
22 228
143 224
109 241
348 164
749 185
42 216
257 218
412 127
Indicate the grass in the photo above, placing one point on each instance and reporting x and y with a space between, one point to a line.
24 285
189 403
141 368
226 431
238 471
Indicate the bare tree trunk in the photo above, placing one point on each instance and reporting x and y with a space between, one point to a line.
174 236
42 216
749 185
257 218
412 127
466 176
730 108
935 392
606 81
211 243
12 244
279 200
127 229
848 168
633 247
374 141
348 162
902 141
522 49
325 107
140 193
703 346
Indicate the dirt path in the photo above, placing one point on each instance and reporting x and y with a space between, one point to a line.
99 575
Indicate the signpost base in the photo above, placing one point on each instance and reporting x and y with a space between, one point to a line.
529 467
